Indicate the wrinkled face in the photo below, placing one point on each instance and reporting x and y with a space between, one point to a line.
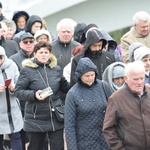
42 38
21 22
96 46
42 55
135 81
88 77
65 34
142 28
10 33
27 45
36 26
146 62
119 81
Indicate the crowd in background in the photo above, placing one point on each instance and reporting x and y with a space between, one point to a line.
104 85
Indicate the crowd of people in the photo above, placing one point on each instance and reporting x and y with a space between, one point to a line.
105 91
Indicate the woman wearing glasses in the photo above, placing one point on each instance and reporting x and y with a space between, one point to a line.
11 121
37 74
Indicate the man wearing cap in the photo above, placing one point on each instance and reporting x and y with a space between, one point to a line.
114 75
26 51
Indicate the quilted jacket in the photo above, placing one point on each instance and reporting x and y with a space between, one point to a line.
84 112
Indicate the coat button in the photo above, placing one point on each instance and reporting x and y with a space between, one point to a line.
93 100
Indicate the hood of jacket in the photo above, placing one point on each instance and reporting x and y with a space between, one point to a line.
7 62
109 39
132 48
31 21
17 14
94 36
30 62
85 65
108 73
79 31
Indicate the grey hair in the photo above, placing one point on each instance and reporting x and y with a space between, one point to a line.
66 22
136 65
10 23
141 15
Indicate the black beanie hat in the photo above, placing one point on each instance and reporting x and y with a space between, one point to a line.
0 5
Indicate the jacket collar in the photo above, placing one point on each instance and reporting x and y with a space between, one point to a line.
135 94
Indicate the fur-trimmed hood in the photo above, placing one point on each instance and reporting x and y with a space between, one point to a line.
30 63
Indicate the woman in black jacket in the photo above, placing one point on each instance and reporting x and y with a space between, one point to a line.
37 74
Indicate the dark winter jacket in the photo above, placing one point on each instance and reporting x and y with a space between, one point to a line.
127 120
62 51
11 47
84 112
33 77
100 58
19 57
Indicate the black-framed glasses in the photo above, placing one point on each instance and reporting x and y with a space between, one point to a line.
28 41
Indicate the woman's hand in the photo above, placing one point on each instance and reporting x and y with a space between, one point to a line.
37 95
2 88
11 87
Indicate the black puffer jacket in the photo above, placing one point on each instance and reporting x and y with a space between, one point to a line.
38 114
85 111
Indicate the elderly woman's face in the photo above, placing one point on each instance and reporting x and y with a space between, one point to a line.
42 55
88 77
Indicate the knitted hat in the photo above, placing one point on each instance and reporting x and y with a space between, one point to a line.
141 52
118 71
2 51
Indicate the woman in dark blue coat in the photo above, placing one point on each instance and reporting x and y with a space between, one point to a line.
85 109
37 74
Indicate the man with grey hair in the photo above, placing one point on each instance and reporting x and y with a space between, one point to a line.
138 33
62 47
127 124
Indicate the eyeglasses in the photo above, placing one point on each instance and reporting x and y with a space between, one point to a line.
29 41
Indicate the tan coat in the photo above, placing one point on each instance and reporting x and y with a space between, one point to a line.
129 38
127 120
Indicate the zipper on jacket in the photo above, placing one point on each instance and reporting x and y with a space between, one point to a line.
50 109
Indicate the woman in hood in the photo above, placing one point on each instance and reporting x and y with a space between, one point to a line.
20 18
85 109
37 74
114 75
11 121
